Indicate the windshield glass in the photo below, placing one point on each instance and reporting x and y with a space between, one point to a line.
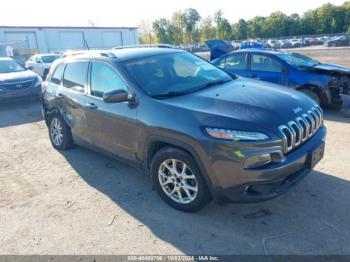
298 60
174 74
49 58
8 66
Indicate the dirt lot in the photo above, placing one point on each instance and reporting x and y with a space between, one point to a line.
79 202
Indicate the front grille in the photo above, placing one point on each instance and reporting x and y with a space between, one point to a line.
17 85
297 131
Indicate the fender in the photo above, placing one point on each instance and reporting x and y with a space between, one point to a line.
154 138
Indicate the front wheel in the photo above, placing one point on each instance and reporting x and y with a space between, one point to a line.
60 133
178 180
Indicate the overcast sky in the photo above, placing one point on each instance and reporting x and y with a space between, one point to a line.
131 12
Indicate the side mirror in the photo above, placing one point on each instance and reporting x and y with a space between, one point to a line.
284 70
117 96
29 67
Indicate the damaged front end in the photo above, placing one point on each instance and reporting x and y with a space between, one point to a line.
341 77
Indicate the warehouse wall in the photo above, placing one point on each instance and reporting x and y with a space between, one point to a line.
49 40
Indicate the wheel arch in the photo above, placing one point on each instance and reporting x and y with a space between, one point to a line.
156 143
323 93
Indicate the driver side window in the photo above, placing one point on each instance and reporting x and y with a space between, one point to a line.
104 78
265 64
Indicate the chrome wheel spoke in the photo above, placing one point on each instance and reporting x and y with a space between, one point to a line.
56 132
178 181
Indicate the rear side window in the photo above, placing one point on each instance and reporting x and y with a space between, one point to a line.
75 76
57 75
104 78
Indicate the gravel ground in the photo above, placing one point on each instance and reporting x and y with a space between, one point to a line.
80 202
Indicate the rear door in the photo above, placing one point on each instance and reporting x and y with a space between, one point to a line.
267 68
112 126
71 95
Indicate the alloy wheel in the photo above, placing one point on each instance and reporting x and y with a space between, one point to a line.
178 181
56 131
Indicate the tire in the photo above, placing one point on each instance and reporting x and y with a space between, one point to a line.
187 192
60 133
313 95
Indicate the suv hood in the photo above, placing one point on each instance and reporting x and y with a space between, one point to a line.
17 76
250 102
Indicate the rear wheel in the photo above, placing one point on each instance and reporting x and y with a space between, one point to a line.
60 133
178 180
312 94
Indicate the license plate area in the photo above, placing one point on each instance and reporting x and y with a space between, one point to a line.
315 156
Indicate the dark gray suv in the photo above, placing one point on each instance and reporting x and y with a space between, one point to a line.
199 132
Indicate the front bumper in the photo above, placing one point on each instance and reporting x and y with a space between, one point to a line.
33 91
233 183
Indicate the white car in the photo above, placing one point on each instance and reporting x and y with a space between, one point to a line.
40 64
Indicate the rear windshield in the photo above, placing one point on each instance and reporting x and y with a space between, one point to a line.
173 73
8 66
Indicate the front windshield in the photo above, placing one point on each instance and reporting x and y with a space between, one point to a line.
8 66
49 58
298 60
174 74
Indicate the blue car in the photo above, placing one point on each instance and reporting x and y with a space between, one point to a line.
17 82
322 82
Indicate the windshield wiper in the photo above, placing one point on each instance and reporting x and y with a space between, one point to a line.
179 93
215 83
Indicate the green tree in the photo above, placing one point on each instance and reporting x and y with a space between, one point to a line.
223 27
163 30
207 30
240 29
191 19
146 35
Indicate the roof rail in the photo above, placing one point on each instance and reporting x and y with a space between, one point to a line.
104 53
145 46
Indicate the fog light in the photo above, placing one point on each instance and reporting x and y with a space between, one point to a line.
257 160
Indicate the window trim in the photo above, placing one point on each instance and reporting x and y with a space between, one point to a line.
114 69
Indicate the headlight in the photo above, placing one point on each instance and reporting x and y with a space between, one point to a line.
235 135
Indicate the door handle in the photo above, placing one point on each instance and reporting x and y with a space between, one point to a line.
59 95
91 106
256 77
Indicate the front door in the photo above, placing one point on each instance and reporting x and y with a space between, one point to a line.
112 126
266 68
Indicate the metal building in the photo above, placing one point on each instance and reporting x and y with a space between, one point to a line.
23 41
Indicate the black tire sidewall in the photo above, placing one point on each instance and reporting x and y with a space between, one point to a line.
203 195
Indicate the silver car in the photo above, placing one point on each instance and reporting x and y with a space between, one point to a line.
40 64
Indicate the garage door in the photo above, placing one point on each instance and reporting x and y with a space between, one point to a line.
72 40
112 39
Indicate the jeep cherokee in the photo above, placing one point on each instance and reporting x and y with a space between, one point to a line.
199 132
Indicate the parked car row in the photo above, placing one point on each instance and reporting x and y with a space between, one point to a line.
343 40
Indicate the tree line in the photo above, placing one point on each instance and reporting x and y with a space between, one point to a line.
189 27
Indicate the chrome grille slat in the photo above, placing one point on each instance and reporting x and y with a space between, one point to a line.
299 130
